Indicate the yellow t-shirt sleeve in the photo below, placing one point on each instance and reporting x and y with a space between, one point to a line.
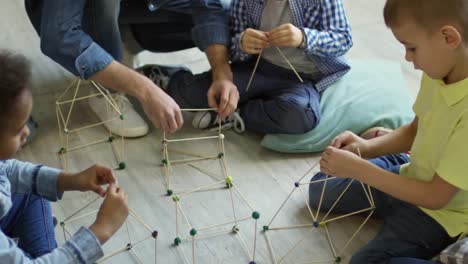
421 99
453 166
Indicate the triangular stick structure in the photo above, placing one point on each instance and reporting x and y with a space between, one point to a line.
130 244
64 107
319 219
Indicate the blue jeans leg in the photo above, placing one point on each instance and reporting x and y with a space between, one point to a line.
410 261
276 102
406 232
30 220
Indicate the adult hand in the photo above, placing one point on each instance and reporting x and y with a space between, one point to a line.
162 110
253 41
286 35
111 215
226 93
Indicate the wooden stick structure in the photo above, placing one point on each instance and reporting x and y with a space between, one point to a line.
129 246
259 56
318 221
65 128
222 182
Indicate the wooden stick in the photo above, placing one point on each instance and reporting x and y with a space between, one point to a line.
66 89
329 178
207 172
81 216
226 223
183 254
244 245
242 197
330 242
346 215
84 207
136 256
186 153
77 99
304 236
281 207
111 102
92 125
308 205
197 191
72 104
190 139
289 63
200 188
87 145
184 215
255 240
214 234
133 213
197 109
254 70
192 160
357 231
308 171
337 200
290 227
233 207
270 247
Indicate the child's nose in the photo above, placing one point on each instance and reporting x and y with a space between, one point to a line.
26 132
409 57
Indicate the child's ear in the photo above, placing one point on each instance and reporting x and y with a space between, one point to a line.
452 36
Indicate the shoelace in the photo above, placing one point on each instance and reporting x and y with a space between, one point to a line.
233 121
122 102
158 77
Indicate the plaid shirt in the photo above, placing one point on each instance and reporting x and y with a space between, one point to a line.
456 253
326 28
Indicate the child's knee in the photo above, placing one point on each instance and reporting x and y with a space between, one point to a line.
297 119
315 190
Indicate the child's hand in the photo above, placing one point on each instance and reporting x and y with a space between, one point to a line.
341 163
253 41
111 215
286 35
350 142
92 178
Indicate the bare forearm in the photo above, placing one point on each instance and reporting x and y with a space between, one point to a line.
398 141
218 57
123 79
406 189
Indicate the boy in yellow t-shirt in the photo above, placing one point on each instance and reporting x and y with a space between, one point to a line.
423 202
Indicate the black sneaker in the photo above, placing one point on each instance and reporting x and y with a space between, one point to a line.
210 120
160 75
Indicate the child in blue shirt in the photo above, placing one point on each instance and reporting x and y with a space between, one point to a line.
25 213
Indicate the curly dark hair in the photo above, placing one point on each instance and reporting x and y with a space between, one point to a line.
15 76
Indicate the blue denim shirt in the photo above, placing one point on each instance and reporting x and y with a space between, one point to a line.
24 177
63 39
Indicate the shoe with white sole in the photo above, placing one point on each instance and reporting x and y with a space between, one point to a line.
159 74
133 124
210 119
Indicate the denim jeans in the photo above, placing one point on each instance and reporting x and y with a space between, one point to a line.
84 36
406 231
276 102
30 220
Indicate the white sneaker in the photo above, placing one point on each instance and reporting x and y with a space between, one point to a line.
210 119
133 124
